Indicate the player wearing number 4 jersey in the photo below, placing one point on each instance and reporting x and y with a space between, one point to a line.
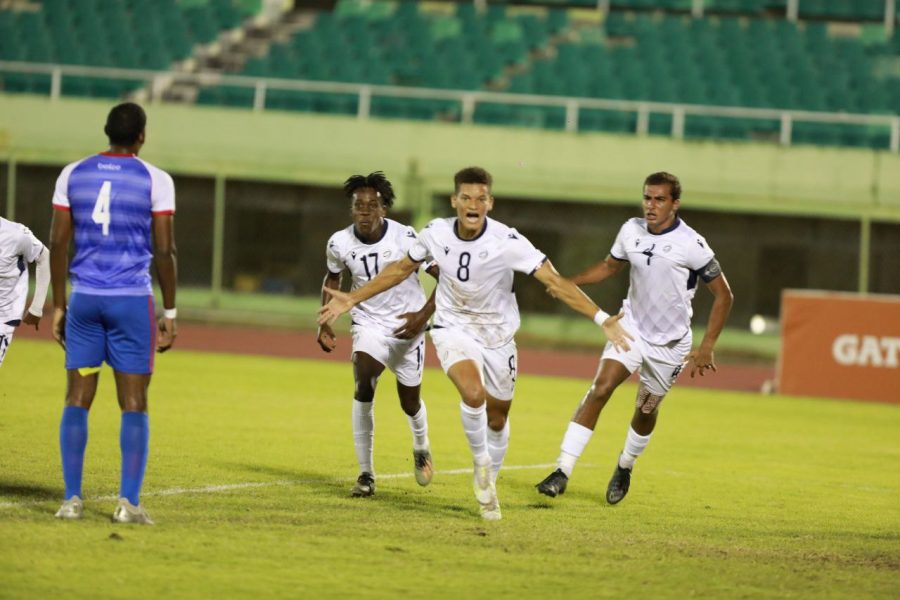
666 259
119 209
387 330
476 315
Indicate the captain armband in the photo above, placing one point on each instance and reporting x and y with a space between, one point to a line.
710 271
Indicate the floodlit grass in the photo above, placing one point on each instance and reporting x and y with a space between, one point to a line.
251 462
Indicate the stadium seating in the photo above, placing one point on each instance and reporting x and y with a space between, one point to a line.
137 34
742 53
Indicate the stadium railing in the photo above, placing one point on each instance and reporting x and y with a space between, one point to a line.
157 81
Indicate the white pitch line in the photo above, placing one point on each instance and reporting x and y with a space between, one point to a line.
227 487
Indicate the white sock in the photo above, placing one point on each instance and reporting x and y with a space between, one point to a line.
634 445
576 438
363 417
497 443
418 424
474 422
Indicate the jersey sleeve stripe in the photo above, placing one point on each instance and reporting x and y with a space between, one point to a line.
159 213
61 207
540 264
617 258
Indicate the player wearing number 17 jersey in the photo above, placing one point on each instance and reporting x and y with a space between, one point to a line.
387 330
476 315
119 210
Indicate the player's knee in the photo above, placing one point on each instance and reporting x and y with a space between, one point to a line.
496 421
410 406
472 394
365 389
135 403
364 394
600 392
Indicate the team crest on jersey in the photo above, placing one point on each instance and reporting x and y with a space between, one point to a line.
387 253
666 248
483 254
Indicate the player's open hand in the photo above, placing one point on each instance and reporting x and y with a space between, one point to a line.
702 360
167 333
413 326
59 326
326 338
33 320
339 304
617 334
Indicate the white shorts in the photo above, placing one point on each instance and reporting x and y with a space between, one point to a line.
659 365
6 336
405 358
498 365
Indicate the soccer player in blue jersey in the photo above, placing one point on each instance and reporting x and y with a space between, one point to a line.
120 211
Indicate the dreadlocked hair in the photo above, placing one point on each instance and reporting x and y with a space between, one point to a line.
377 181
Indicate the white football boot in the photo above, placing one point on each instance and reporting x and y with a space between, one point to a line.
126 512
71 509
486 492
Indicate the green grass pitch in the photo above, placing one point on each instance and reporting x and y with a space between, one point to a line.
738 495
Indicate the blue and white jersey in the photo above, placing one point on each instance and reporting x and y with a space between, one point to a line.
112 198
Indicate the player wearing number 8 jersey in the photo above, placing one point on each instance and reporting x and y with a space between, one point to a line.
119 211
476 315
387 330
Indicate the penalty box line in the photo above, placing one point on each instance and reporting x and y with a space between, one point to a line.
227 487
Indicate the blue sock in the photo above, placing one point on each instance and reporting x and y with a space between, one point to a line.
134 440
73 434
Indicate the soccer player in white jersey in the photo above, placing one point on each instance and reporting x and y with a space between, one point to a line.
387 331
667 258
18 249
477 316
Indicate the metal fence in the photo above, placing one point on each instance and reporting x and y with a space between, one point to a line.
156 82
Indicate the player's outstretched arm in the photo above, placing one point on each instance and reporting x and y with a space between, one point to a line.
41 283
702 358
563 289
340 302
164 257
325 336
60 236
601 271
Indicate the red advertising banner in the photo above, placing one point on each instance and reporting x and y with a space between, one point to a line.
840 345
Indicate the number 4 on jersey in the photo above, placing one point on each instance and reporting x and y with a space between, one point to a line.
100 216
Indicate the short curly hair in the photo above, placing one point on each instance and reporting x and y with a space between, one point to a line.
377 181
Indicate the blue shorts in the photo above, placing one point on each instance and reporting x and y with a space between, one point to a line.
120 330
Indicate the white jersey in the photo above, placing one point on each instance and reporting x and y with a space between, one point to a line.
364 262
18 247
664 272
475 292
